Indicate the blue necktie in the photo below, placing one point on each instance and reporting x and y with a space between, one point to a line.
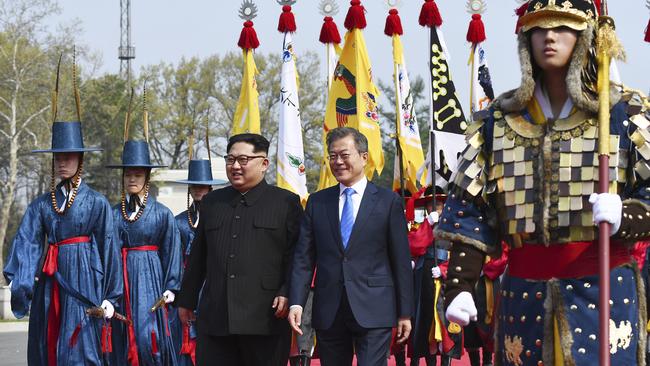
347 216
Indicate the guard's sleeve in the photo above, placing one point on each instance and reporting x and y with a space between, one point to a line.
465 220
23 259
170 251
108 244
635 221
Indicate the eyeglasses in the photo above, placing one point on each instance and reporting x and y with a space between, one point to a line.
241 159
334 157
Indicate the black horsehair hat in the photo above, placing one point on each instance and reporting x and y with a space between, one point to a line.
66 136
136 152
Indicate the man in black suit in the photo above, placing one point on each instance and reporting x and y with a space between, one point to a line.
242 251
355 234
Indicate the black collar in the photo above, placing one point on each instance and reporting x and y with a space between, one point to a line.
249 198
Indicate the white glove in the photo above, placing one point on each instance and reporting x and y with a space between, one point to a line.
436 272
462 309
433 218
607 207
109 310
169 296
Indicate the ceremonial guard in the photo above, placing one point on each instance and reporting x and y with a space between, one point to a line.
79 282
151 260
200 182
528 177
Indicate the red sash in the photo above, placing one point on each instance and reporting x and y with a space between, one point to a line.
50 267
570 260
132 355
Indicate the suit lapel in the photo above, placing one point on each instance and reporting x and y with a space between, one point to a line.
368 203
333 215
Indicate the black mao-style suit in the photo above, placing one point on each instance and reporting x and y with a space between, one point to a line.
365 286
242 250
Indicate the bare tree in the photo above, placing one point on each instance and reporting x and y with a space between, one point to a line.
25 70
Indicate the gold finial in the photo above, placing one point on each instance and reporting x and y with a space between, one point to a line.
328 8
55 93
476 6
75 86
127 119
248 10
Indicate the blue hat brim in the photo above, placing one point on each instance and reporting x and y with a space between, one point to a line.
118 166
214 182
70 150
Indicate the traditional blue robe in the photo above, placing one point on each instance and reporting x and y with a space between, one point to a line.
92 269
187 235
150 273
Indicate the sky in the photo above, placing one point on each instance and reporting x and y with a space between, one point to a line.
166 30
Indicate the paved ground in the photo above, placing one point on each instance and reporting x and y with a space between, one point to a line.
13 344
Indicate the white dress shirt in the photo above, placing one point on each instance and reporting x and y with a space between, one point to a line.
545 103
359 187
137 205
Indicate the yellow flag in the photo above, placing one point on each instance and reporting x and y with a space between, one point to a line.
407 124
326 179
247 114
353 98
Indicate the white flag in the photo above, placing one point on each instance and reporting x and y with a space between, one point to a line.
481 90
291 157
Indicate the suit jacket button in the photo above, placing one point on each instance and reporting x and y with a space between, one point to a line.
231 256
234 236
232 276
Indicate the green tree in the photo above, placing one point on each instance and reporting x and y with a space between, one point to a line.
28 53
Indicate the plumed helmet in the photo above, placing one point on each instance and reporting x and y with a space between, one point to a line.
575 14
579 15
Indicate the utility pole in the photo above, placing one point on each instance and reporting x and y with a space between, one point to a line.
126 51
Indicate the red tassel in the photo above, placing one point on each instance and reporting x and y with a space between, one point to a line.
154 345
287 21
248 37
393 24
75 335
329 33
430 15
520 11
356 17
107 342
647 32
476 31
185 345
410 204
110 339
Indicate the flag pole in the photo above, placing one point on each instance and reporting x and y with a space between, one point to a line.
398 146
432 143
605 51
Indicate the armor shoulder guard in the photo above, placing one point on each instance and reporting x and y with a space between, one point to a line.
640 139
471 174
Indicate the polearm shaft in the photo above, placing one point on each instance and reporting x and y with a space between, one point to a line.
605 25
432 142
398 121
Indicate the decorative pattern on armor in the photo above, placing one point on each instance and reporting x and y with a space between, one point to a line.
544 173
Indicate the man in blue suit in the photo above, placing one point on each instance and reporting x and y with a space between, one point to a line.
355 234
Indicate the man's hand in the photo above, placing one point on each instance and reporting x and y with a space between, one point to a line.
186 315
295 318
109 310
462 309
280 306
607 207
403 329
169 297
436 272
